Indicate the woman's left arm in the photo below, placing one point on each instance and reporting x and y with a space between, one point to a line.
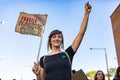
77 41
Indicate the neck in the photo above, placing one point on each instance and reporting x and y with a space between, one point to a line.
55 50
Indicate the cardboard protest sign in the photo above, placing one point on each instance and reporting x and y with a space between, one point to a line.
32 24
79 75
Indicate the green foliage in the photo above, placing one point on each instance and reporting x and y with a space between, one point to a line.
112 71
91 74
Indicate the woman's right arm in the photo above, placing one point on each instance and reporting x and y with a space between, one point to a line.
42 73
38 71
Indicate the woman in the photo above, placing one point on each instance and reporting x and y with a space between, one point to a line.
117 74
99 75
57 64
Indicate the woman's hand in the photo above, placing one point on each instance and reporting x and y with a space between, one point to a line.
88 7
36 68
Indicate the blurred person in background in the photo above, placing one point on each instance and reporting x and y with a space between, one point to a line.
117 74
99 75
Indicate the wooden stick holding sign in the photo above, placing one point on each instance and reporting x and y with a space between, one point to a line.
31 24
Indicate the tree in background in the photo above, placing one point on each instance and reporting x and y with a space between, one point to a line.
91 74
112 71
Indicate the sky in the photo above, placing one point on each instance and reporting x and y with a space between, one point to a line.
18 52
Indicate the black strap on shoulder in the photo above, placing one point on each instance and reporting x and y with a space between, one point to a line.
68 58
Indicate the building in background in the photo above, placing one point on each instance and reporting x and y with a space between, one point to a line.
115 19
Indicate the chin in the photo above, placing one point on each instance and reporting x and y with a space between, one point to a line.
57 45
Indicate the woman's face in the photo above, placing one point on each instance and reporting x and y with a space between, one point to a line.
56 40
99 76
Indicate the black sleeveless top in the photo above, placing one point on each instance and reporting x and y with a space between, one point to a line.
57 66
